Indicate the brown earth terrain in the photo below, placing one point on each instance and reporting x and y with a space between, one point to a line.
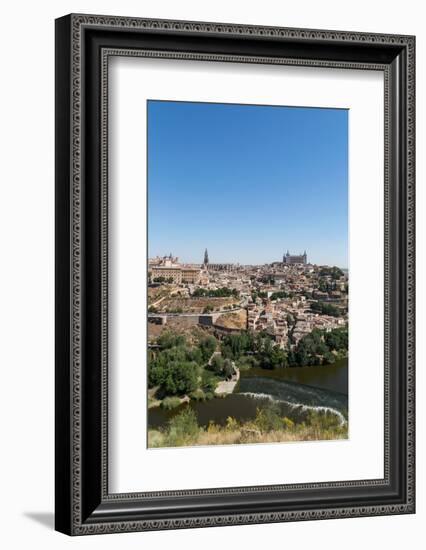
179 325
160 293
178 304
236 320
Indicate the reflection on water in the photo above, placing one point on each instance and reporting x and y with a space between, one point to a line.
294 390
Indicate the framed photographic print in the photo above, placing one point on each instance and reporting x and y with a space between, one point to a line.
234 274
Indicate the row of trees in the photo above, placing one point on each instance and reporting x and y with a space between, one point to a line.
326 309
253 350
223 292
279 295
161 280
259 294
259 350
319 348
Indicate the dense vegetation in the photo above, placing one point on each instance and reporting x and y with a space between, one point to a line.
223 292
326 309
178 368
268 426
279 295
258 294
253 350
320 348
222 367
258 350
162 280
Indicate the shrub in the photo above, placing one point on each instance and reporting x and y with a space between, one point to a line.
169 340
329 358
217 364
169 403
182 428
268 418
246 363
322 420
208 382
207 347
198 395
228 368
231 423
288 423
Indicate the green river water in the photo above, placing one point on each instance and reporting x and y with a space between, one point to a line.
294 390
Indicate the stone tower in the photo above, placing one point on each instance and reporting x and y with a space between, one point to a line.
206 257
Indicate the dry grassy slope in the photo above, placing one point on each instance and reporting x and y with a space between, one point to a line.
217 435
237 320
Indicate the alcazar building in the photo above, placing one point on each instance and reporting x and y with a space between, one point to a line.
292 259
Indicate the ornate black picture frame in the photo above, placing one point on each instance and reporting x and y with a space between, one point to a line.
83 45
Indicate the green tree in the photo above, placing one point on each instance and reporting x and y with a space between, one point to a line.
181 378
208 381
207 346
302 356
194 355
228 368
217 364
156 374
329 358
278 358
325 309
279 295
170 340
337 339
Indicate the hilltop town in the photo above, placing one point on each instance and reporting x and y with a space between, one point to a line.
286 299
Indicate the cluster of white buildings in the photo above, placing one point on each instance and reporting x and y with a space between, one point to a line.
288 315
287 318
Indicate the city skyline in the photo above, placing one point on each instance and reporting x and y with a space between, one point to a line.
172 255
247 182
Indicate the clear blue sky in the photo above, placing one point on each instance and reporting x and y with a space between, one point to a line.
248 182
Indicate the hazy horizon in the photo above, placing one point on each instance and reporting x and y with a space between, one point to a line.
236 262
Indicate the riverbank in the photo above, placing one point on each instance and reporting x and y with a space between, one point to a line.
267 427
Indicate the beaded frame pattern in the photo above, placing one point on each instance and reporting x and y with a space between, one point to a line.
78 22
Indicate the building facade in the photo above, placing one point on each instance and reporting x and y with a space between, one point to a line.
216 267
291 259
168 269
